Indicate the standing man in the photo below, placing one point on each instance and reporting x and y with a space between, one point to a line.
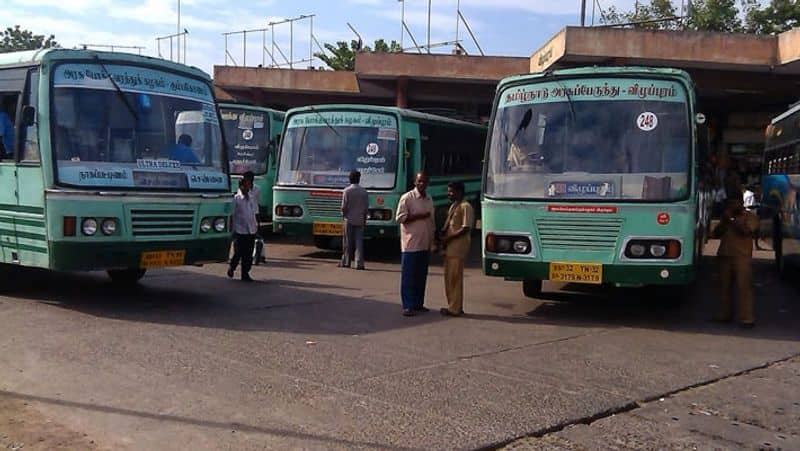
455 239
736 230
245 227
255 193
417 228
355 202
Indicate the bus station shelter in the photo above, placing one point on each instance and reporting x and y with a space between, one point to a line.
742 80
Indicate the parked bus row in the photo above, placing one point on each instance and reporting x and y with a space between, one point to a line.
119 163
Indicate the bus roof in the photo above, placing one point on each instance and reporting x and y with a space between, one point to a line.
252 108
43 56
597 70
384 109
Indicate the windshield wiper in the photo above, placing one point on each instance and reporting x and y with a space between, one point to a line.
324 120
118 90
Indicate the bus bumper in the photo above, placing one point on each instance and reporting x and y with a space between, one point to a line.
612 274
83 256
305 229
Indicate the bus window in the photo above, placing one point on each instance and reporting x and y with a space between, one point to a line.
8 113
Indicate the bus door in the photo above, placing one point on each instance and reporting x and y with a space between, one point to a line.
412 158
12 85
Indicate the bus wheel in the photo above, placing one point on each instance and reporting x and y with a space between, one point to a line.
126 276
532 288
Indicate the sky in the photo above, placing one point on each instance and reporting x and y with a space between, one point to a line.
502 27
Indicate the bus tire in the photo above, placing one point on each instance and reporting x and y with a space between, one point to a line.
126 276
532 288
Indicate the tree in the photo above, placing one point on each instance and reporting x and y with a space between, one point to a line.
706 15
652 16
715 15
777 17
16 39
343 57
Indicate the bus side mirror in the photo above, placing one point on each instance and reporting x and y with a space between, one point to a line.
28 116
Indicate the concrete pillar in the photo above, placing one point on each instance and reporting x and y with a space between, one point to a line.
401 99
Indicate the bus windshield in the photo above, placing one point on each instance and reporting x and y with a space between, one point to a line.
321 148
247 134
598 138
132 127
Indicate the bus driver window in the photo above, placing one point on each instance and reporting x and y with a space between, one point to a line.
8 106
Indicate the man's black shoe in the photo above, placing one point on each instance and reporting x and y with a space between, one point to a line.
246 278
422 309
408 312
230 272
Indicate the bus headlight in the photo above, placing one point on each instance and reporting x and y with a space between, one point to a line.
89 226
658 250
637 250
205 225
288 211
522 247
508 244
109 226
219 224
379 214
653 249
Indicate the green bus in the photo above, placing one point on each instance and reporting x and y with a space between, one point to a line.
252 135
322 144
117 164
590 178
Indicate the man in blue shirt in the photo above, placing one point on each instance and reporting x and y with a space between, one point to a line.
182 151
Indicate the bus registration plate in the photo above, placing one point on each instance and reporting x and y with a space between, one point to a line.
327 228
162 259
576 272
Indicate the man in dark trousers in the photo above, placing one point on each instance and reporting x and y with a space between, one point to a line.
355 202
245 227
417 229
736 230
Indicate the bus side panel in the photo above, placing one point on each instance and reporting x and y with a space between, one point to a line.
31 225
8 211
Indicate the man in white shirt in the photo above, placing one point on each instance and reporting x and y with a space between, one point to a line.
245 227
749 199
255 193
417 230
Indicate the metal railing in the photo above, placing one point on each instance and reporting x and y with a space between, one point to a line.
273 55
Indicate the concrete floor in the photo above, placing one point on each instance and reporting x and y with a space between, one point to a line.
316 357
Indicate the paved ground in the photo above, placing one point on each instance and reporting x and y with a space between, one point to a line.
313 357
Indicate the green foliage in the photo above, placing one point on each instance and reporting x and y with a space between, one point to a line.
648 16
777 17
715 15
16 39
343 56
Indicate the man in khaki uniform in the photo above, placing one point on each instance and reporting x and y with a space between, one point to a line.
455 240
736 230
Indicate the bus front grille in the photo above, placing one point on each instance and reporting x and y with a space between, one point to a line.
324 206
591 234
160 223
